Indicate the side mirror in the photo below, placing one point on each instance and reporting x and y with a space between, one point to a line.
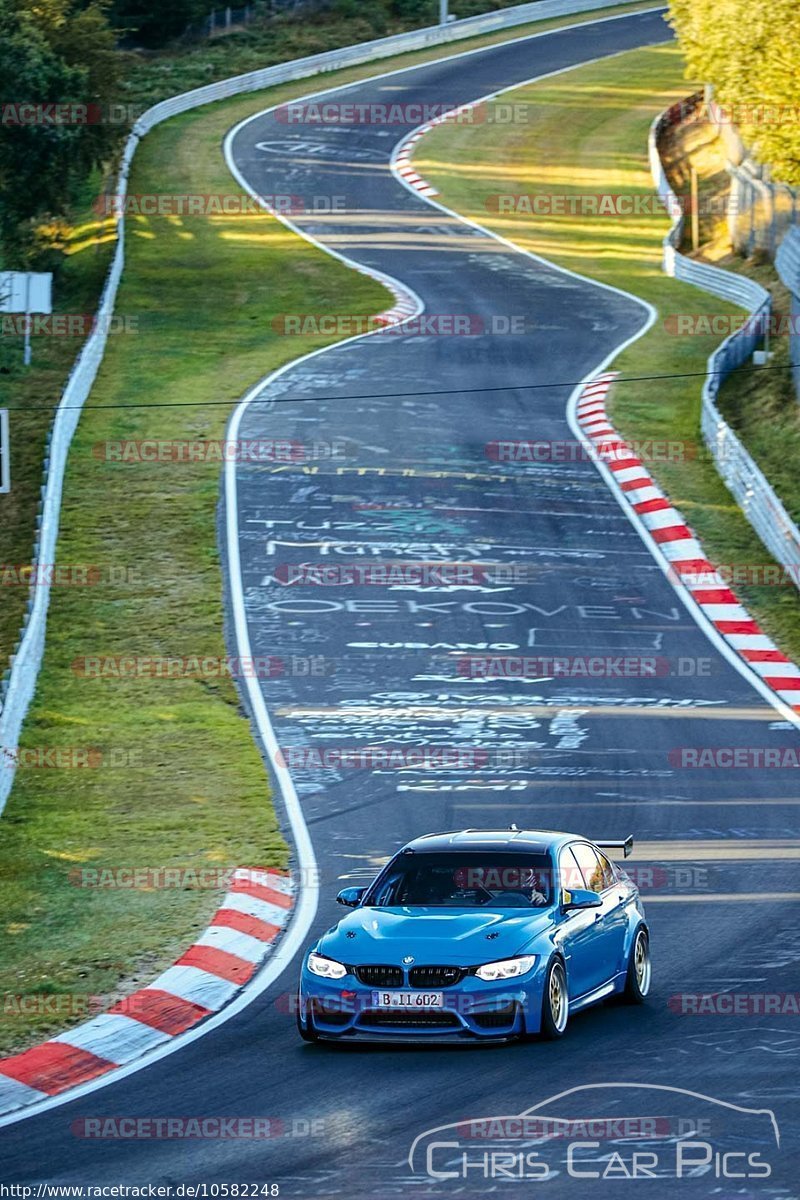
351 897
581 898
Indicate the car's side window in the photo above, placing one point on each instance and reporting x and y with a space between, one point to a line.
570 875
607 867
386 893
591 867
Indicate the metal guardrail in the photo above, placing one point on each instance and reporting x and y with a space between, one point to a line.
741 475
18 684
787 263
760 209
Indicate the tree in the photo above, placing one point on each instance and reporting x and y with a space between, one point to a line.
749 50
152 22
50 55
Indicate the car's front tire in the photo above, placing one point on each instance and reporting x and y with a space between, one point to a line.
555 1002
640 971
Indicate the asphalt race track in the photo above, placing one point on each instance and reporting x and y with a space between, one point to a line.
410 480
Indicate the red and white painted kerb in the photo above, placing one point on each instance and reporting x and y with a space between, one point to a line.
402 160
677 543
406 304
203 980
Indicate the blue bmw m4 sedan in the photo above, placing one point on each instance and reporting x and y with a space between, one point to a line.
475 936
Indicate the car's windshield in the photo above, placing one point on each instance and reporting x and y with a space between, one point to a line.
465 880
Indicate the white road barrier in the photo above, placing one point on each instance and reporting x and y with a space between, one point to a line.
741 475
18 685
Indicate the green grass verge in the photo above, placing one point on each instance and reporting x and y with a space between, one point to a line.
587 133
32 391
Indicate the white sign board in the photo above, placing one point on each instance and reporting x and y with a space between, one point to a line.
26 292
5 454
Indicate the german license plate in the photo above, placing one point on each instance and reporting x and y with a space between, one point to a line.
408 999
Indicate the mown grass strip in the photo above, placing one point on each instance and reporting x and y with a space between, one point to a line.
587 135
34 390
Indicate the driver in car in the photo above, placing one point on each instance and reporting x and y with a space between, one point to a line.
513 887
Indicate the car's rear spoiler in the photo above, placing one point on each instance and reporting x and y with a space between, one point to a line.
625 846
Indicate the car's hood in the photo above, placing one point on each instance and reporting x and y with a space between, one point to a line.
432 935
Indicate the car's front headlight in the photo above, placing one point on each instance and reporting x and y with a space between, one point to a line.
507 968
328 968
